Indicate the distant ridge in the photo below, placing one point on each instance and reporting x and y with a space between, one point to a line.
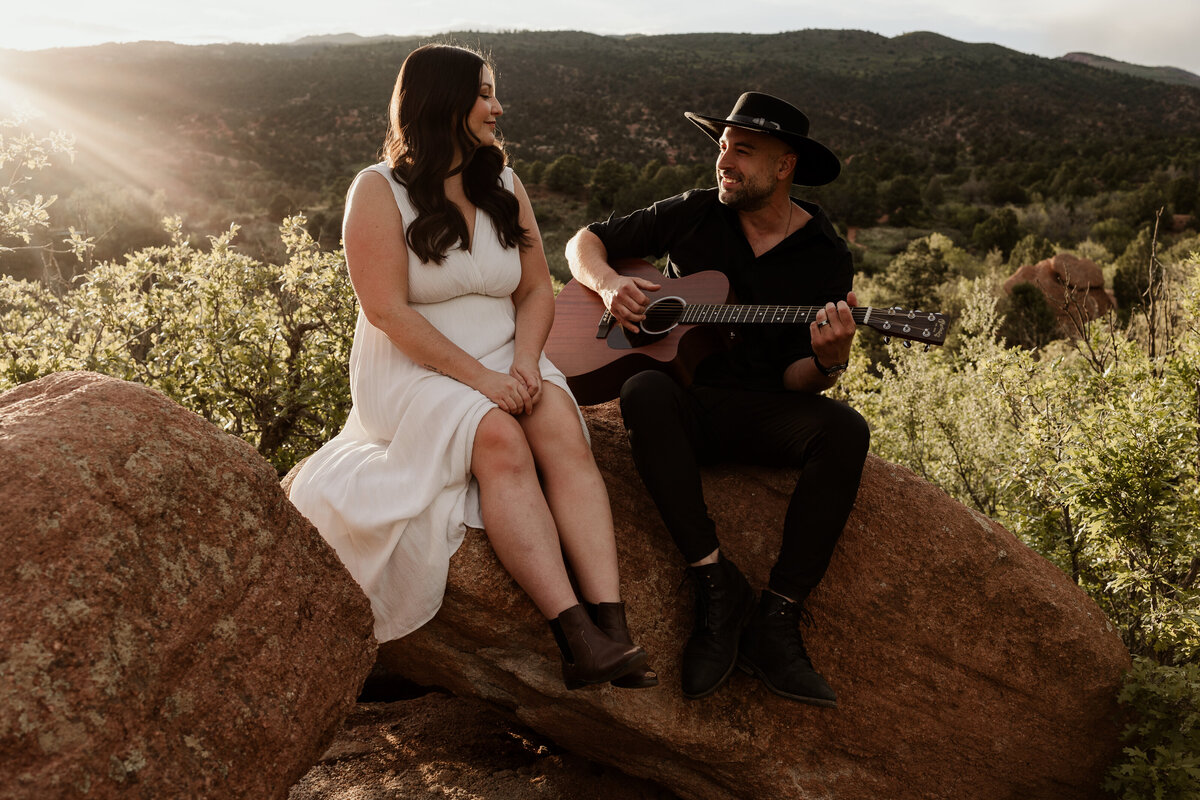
336 39
1172 75
339 39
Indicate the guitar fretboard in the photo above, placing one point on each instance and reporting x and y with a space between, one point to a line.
667 312
718 314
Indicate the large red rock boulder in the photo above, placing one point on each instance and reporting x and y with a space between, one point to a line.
170 625
1073 288
966 665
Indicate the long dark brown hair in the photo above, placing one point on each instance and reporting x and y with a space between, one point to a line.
437 86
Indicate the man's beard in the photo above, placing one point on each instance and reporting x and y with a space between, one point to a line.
748 196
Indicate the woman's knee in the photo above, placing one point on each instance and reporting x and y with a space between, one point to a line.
554 429
500 445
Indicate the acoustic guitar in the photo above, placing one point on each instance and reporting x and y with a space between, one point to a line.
684 322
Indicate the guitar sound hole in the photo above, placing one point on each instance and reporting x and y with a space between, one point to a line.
663 315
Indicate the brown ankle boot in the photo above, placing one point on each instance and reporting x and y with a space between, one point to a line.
610 618
588 655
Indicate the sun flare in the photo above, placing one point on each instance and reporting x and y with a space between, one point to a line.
15 100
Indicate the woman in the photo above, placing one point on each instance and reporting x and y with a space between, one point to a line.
454 406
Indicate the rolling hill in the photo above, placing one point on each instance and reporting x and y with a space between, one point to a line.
221 132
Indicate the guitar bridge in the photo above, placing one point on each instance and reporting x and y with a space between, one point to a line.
606 323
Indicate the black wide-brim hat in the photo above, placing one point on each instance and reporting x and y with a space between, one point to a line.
816 164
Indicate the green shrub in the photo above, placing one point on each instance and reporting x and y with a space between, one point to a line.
1089 451
260 350
1162 753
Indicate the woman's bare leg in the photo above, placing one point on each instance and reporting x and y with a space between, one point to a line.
516 518
575 493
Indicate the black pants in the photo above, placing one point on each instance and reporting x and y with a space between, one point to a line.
673 430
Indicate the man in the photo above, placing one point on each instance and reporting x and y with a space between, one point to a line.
761 400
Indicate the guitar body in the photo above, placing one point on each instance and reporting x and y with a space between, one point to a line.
596 368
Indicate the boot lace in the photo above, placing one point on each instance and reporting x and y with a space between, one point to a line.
785 622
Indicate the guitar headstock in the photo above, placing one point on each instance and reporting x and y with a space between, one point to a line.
918 326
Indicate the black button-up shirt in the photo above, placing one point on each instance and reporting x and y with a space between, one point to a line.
696 232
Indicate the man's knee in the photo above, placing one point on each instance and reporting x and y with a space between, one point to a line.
646 396
834 430
853 430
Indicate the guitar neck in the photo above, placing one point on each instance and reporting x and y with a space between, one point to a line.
923 326
742 314
678 303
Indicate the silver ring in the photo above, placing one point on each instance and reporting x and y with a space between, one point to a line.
822 323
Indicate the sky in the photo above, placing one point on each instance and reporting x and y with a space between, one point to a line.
1149 32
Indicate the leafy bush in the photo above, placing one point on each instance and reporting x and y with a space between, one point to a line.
23 217
1030 322
258 349
1030 250
999 231
1089 451
1162 756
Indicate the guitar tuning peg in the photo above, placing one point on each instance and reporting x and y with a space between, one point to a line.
925 349
907 344
887 340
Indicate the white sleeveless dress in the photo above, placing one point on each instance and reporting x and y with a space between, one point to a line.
393 492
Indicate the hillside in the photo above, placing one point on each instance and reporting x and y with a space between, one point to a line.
1164 74
321 105
225 133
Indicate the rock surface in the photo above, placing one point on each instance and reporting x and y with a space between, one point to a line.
436 746
966 665
170 625
1073 288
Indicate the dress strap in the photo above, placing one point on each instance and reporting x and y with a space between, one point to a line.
399 191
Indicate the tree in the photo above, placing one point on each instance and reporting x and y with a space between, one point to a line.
999 231
902 201
1136 269
1183 193
1030 322
532 171
853 198
565 174
1030 250
1007 191
608 178
1114 234
915 275
280 207
934 193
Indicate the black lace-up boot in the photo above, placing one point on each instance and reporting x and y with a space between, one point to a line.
724 602
773 649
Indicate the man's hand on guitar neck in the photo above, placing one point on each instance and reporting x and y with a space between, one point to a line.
833 331
832 334
624 296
